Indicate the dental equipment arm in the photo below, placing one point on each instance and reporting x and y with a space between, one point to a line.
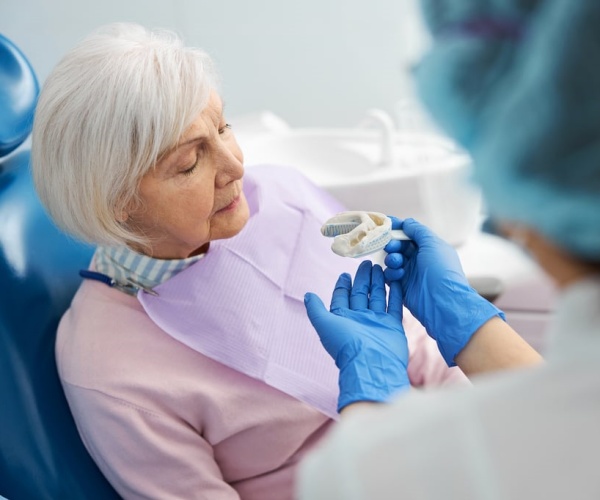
469 330
364 336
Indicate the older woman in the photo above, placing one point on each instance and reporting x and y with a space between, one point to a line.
194 373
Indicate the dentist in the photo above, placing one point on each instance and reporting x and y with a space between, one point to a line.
532 123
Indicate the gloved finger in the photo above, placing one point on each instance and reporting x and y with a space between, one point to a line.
340 299
359 296
316 310
408 249
391 275
394 246
399 246
396 222
377 297
395 300
394 260
419 233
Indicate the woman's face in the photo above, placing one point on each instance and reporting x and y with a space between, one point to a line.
194 195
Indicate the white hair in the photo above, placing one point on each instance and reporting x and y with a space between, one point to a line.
106 114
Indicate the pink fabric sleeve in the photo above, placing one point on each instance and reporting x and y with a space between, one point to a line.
147 455
426 367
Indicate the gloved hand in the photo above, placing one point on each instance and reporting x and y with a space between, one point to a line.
435 289
367 343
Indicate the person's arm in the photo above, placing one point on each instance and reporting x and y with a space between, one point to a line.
144 454
495 346
366 338
358 406
426 366
469 330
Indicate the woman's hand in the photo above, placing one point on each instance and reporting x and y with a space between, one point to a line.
435 289
363 335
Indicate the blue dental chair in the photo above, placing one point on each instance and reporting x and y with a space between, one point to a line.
41 454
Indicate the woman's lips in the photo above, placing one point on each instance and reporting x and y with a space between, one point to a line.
232 205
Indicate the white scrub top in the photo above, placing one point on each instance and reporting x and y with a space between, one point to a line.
528 434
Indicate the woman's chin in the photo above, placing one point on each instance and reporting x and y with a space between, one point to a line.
235 222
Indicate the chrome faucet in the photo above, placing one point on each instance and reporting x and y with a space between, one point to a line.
386 124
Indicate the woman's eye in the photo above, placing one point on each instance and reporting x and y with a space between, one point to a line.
190 171
223 129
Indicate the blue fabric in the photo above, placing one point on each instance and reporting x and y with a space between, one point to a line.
526 104
41 454
18 96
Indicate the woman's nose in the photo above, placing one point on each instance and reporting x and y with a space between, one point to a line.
230 162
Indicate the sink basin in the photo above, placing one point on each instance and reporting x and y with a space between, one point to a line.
325 158
421 175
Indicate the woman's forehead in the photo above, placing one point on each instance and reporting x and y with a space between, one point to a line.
212 112
198 130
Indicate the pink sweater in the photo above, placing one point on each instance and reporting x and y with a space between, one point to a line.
165 422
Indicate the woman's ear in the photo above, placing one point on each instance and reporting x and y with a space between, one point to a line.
122 216
125 210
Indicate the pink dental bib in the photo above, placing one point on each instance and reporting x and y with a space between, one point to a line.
242 304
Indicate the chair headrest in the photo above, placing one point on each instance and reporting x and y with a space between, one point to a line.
19 90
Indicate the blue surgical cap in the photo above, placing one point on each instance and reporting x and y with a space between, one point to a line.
517 83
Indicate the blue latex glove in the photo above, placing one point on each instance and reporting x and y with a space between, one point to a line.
367 342
435 289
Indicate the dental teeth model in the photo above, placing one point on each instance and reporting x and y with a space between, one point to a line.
360 233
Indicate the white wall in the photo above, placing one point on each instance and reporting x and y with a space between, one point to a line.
312 62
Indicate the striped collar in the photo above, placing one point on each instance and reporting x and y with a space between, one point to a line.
126 266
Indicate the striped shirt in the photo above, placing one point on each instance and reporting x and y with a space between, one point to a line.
126 266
